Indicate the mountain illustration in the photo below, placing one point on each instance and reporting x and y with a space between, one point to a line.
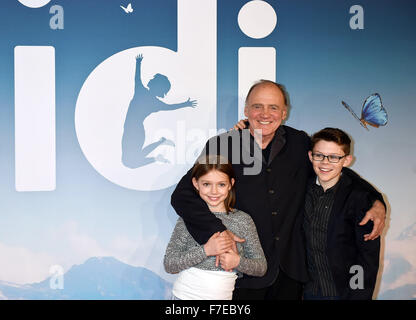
406 292
399 275
408 233
98 278
397 267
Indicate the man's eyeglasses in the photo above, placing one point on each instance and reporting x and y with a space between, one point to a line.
331 158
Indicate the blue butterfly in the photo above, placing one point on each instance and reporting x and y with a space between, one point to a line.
373 112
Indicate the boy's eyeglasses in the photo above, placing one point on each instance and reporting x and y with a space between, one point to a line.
331 158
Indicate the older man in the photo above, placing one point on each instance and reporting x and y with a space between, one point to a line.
274 196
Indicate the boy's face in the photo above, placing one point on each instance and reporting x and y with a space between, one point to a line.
328 172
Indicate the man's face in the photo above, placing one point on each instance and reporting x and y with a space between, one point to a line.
265 109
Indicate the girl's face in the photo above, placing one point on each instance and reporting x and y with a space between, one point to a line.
213 188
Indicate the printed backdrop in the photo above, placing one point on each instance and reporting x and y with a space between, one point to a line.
85 192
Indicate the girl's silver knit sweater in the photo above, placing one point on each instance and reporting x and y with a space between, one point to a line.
184 252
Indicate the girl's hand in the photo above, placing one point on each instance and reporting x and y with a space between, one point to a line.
217 245
234 238
229 260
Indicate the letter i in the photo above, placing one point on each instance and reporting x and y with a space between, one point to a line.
255 63
35 151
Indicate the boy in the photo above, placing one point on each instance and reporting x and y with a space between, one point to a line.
341 264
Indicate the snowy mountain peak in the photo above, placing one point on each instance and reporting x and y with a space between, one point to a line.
97 278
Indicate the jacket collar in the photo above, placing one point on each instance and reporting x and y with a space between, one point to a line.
341 196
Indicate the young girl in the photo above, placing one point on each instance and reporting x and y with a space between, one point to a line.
200 277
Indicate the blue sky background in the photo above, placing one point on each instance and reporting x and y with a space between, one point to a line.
320 60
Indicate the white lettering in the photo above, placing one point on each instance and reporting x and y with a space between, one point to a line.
357 20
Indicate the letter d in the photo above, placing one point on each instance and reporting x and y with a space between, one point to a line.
104 99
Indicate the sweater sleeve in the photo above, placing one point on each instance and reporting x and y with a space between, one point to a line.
199 220
179 256
252 262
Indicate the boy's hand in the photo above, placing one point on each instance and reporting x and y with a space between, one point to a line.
377 214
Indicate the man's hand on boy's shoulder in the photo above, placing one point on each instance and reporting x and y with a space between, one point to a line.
377 214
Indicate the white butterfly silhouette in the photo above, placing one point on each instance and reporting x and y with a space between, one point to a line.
129 9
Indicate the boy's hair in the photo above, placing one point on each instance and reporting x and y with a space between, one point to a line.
333 135
213 162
